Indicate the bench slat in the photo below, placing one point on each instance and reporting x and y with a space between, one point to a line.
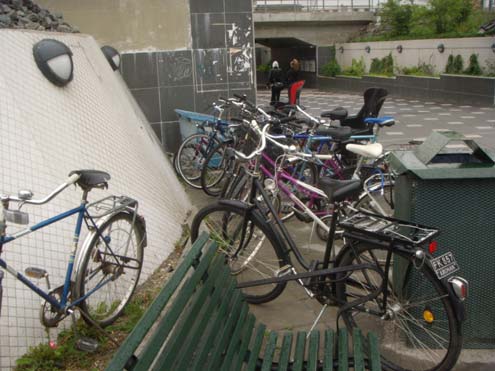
171 350
127 349
235 339
283 362
169 320
328 350
299 351
255 350
314 345
357 341
220 292
211 331
247 333
374 352
343 355
269 352
225 332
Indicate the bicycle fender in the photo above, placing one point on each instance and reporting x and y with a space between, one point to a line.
237 204
459 307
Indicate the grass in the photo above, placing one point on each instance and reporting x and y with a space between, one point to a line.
65 356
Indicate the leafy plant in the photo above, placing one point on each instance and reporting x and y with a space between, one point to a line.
422 69
332 68
263 67
490 68
458 64
474 66
448 14
357 68
384 66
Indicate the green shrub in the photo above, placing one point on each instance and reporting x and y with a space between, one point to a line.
458 64
422 69
447 15
449 68
376 66
357 68
263 67
332 68
384 66
474 66
397 17
490 68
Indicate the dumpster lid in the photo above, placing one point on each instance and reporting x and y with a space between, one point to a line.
437 157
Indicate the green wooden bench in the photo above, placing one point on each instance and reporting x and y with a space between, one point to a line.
199 321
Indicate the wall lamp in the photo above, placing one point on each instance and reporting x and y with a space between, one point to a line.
399 48
112 55
368 49
493 47
341 49
54 59
441 48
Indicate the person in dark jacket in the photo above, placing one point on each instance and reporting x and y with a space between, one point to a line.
276 82
292 73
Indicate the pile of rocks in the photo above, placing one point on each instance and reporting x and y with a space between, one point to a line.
26 14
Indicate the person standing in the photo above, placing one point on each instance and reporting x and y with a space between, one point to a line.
292 73
275 81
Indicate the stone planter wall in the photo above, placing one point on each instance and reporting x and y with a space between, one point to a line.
477 91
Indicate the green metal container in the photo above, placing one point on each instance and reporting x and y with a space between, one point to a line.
449 182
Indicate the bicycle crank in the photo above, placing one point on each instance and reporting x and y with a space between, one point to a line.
49 315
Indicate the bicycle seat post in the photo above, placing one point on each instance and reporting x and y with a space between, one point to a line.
329 250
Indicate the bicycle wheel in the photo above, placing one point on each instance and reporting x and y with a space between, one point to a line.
191 157
418 330
250 246
114 261
214 170
381 199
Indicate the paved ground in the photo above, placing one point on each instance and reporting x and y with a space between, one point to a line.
294 309
415 119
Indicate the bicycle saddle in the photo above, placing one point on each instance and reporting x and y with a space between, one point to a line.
337 133
339 113
339 190
91 179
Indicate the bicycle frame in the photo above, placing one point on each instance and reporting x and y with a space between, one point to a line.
82 214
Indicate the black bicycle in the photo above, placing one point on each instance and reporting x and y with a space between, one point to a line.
385 279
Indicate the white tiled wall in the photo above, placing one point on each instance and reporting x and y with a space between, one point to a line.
47 131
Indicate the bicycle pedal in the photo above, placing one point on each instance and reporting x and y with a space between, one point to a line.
86 344
34 272
312 268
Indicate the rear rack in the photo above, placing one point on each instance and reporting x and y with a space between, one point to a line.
389 229
110 205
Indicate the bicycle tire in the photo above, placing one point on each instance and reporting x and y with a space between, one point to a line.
191 157
407 328
259 255
117 231
382 194
214 170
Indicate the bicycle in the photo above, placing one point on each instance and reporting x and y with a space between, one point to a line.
103 272
383 278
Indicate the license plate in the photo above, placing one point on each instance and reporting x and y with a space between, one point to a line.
444 265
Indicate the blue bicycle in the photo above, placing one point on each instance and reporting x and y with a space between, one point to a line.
102 274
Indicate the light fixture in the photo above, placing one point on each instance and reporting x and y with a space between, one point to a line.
341 49
493 47
112 55
399 48
368 49
441 48
54 59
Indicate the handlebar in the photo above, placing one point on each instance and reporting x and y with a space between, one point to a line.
70 180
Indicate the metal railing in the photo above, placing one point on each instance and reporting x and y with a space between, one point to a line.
315 5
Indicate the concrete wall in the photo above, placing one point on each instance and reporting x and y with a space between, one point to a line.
129 25
47 131
176 53
419 51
